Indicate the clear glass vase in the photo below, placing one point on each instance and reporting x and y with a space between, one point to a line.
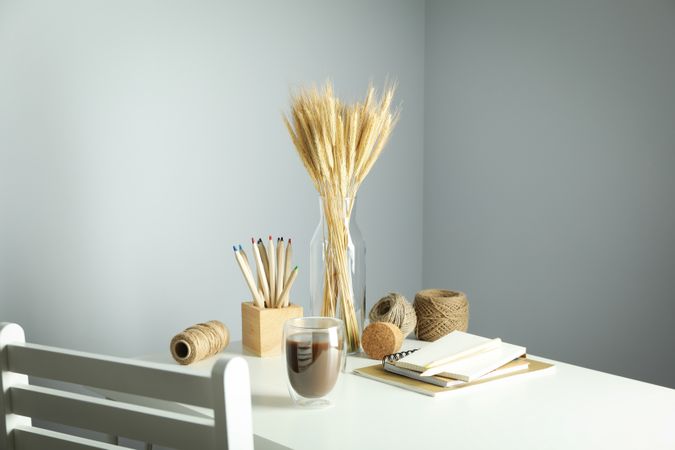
337 268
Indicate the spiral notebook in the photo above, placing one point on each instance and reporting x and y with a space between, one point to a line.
378 373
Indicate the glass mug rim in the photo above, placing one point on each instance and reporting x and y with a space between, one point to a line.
313 323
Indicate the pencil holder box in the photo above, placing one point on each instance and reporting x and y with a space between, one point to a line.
262 329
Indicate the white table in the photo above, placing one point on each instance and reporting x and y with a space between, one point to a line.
570 408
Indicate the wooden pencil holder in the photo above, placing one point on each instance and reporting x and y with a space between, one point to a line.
262 330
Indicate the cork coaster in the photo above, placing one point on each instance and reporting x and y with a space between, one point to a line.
380 339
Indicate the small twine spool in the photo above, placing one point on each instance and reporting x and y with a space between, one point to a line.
440 312
394 308
380 339
199 341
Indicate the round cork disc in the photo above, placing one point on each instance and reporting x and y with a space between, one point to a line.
380 339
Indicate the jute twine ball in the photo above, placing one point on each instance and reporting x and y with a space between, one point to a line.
199 341
440 312
380 339
394 308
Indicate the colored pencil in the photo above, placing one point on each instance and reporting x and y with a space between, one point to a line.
272 274
262 276
248 277
247 266
281 271
285 295
271 284
243 253
289 256
263 256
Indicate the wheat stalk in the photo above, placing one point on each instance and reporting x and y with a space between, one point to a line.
338 144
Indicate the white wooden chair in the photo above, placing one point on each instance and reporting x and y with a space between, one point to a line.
227 391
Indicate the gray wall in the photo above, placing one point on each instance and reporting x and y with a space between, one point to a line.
129 132
548 182
139 140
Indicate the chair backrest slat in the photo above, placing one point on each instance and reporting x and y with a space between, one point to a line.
108 372
136 422
31 438
226 393
9 333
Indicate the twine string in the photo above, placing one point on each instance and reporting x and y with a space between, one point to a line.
199 341
395 309
440 312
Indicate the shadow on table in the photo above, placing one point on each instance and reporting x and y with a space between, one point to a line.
271 401
260 443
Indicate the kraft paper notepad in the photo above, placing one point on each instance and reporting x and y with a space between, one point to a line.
377 373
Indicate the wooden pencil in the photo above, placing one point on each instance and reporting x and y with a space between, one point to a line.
244 255
260 300
263 256
289 257
280 269
272 274
262 276
248 277
285 295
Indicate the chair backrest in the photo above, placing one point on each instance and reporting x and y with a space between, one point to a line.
227 392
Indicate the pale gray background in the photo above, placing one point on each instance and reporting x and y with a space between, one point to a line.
550 175
140 139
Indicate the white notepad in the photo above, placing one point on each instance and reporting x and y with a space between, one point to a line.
451 347
440 380
475 366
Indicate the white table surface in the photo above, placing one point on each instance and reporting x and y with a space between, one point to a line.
569 408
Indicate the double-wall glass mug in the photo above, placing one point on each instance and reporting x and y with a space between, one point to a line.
314 349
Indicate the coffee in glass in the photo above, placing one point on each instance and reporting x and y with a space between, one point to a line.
314 349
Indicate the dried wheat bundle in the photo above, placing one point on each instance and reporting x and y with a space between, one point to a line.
338 144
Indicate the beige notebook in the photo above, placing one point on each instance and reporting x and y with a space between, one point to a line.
475 366
377 373
516 365
451 347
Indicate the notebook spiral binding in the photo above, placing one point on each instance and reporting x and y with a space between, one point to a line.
396 356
